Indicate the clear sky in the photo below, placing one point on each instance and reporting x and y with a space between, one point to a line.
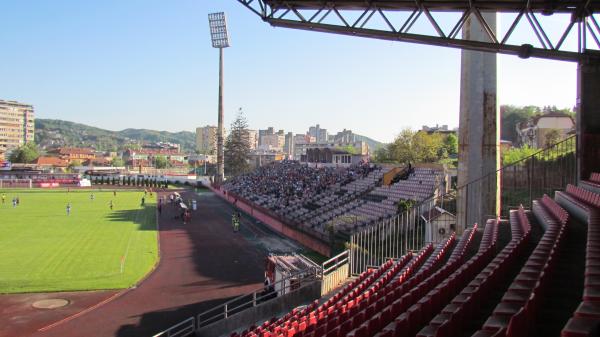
149 64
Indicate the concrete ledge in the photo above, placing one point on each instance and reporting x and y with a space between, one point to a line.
262 312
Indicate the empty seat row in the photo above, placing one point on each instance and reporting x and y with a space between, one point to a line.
587 316
515 314
411 292
464 305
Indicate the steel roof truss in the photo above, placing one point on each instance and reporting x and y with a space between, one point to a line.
582 16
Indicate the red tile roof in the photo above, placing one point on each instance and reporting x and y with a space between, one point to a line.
52 161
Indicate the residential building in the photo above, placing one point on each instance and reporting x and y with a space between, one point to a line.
16 125
443 129
146 157
272 142
206 139
51 162
253 139
288 147
319 133
262 133
345 136
339 154
71 154
534 131
162 146
260 157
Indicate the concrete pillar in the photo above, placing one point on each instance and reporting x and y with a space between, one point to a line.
588 118
479 138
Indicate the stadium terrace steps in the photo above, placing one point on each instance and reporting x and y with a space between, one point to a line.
442 311
530 277
586 318
408 307
517 307
592 184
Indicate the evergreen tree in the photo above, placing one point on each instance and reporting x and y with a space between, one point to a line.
237 147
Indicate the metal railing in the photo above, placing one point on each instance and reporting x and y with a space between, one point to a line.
243 302
181 329
435 218
335 271
285 286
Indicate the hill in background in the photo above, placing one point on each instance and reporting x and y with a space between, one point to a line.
59 133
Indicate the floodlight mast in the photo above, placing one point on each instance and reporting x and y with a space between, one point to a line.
220 39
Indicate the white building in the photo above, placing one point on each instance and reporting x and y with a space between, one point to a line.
533 132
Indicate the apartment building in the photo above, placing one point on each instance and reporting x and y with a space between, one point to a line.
16 125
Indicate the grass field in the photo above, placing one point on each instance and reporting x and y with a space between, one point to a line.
42 249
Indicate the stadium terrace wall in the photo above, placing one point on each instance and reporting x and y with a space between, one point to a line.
319 246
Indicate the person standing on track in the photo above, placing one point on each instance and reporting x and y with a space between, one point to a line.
234 222
68 209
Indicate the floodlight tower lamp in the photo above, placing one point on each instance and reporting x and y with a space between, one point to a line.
220 39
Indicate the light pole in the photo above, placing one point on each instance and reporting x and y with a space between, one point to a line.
220 39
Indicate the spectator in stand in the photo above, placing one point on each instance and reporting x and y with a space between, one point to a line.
289 181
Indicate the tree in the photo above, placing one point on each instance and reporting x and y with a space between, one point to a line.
348 149
512 115
25 154
515 154
417 147
382 155
161 162
402 149
451 144
117 162
552 137
428 147
237 146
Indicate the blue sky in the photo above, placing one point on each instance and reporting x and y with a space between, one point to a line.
149 64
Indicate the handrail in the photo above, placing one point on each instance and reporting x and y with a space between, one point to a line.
189 326
258 296
336 260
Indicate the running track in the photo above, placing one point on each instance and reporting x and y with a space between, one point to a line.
202 264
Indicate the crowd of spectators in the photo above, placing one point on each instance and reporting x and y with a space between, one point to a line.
290 181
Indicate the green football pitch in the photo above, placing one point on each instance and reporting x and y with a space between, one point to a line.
43 249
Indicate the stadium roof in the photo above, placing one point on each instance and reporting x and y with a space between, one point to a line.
547 6
339 17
